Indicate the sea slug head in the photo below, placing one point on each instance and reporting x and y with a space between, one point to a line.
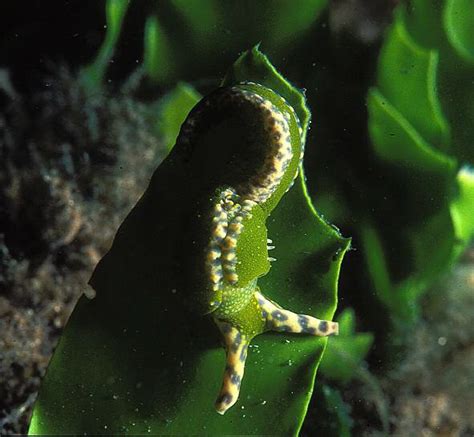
244 136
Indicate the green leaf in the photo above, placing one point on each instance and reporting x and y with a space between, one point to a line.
407 77
206 33
457 71
157 55
186 39
462 207
427 177
289 22
254 66
410 137
173 109
201 18
93 75
378 271
136 360
347 321
333 416
401 295
459 23
394 139
444 26
116 368
345 353
423 21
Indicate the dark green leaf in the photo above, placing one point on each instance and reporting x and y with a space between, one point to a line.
157 55
407 74
432 179
205 33
173 110
134 360
254 66
345 353
408 247
333 417
396 140
462 206
444 26
93 75
459 21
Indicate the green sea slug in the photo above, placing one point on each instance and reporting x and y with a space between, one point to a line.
241 147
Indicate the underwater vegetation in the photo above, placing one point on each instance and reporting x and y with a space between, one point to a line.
166 252
388 160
